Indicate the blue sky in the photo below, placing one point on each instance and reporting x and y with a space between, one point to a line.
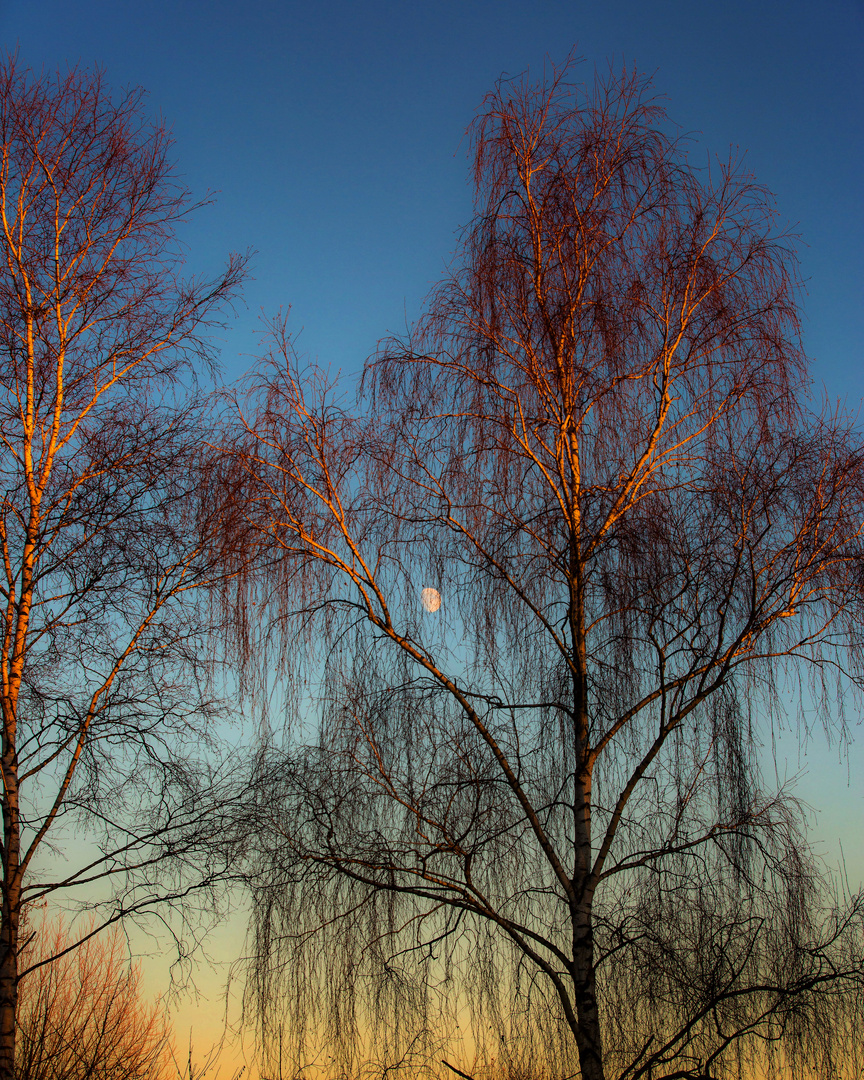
333 136
333 132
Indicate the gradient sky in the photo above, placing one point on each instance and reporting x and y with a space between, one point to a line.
332 132
333 136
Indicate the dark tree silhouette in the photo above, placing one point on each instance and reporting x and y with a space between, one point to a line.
544 800
102 543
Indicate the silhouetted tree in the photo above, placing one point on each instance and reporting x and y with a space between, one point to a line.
102 537
543 801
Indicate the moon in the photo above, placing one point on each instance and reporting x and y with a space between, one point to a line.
431 599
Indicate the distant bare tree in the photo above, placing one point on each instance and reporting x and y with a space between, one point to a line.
102 538
539 810
82 1018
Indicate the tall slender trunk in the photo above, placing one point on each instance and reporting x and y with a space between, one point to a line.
589 1042
10 914
17 619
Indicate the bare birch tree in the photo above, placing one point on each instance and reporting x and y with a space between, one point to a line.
101 538
543 801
